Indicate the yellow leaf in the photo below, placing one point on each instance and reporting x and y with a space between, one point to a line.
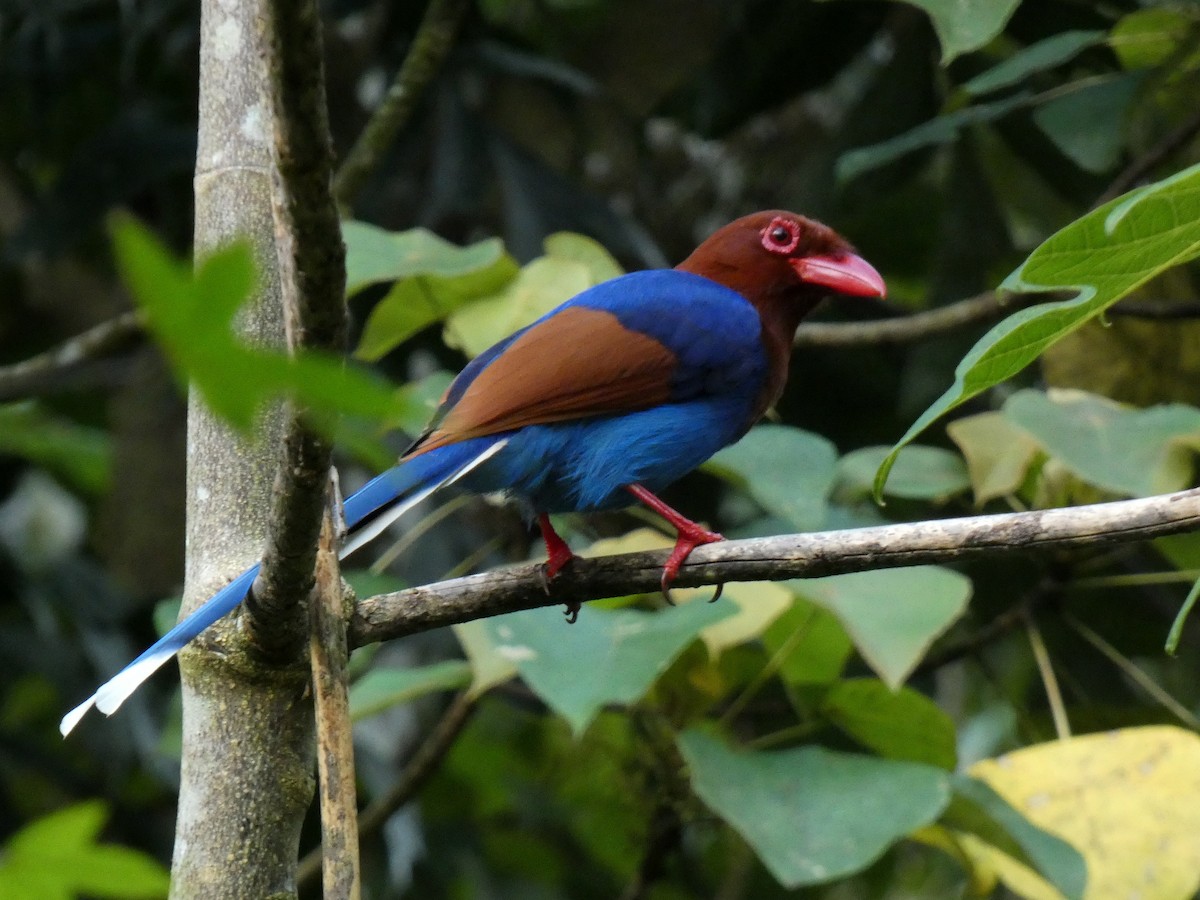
998 453
1128 800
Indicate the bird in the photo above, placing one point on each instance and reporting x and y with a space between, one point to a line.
603 401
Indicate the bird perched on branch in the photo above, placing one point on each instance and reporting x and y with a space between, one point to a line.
607 399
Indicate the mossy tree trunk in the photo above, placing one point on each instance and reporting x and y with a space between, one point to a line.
247 771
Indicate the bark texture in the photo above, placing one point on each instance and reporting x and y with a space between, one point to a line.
247 734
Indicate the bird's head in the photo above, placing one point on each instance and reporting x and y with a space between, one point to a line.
776 254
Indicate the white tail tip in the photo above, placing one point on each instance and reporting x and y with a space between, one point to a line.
71 719
110 695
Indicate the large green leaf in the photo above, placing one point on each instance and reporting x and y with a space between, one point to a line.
571 264
1038 57
921 473
966 25
190 312
1137 452
1101 257
433 278
608 656
813 641
893 615
901 724
1086 123
787 470
375 255
57 857
810 814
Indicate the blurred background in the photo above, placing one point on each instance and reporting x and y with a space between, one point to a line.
644 125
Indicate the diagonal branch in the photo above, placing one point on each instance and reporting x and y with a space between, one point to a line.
776 558
37 373
433 41
907 329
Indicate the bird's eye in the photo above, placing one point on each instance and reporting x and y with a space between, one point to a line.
781 236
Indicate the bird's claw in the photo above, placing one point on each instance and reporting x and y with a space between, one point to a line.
689 539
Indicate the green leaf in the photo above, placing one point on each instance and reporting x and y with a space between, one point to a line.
979 810
592 255
920 473
817 645
1038 57
893 615
788 471
942 130
57 856
433 279
572 263
1102 256
810 814
489 666
608 656
1149 37
375 255
998 453
1086 124
80 455
382 688
191 315
901 724
1136 452
966 25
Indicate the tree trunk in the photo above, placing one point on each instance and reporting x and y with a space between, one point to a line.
247 772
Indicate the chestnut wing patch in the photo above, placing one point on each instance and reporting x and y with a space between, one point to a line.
581 362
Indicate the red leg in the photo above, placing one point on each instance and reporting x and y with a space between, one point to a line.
558 555
690 536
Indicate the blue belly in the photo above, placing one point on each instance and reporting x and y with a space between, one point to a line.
581 466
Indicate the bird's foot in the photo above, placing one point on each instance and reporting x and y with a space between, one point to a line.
690 537
558 557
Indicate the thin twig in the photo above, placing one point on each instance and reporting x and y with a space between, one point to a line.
419 530
433 41
1135 674
1146 163
1006 622
25 377
335 745
1062 727
776 558
917 327
423 763
768 671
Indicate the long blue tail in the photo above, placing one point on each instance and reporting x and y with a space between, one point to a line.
368 512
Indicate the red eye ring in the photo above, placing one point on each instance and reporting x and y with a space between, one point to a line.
781 236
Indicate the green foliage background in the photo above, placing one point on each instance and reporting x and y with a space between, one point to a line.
823 738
